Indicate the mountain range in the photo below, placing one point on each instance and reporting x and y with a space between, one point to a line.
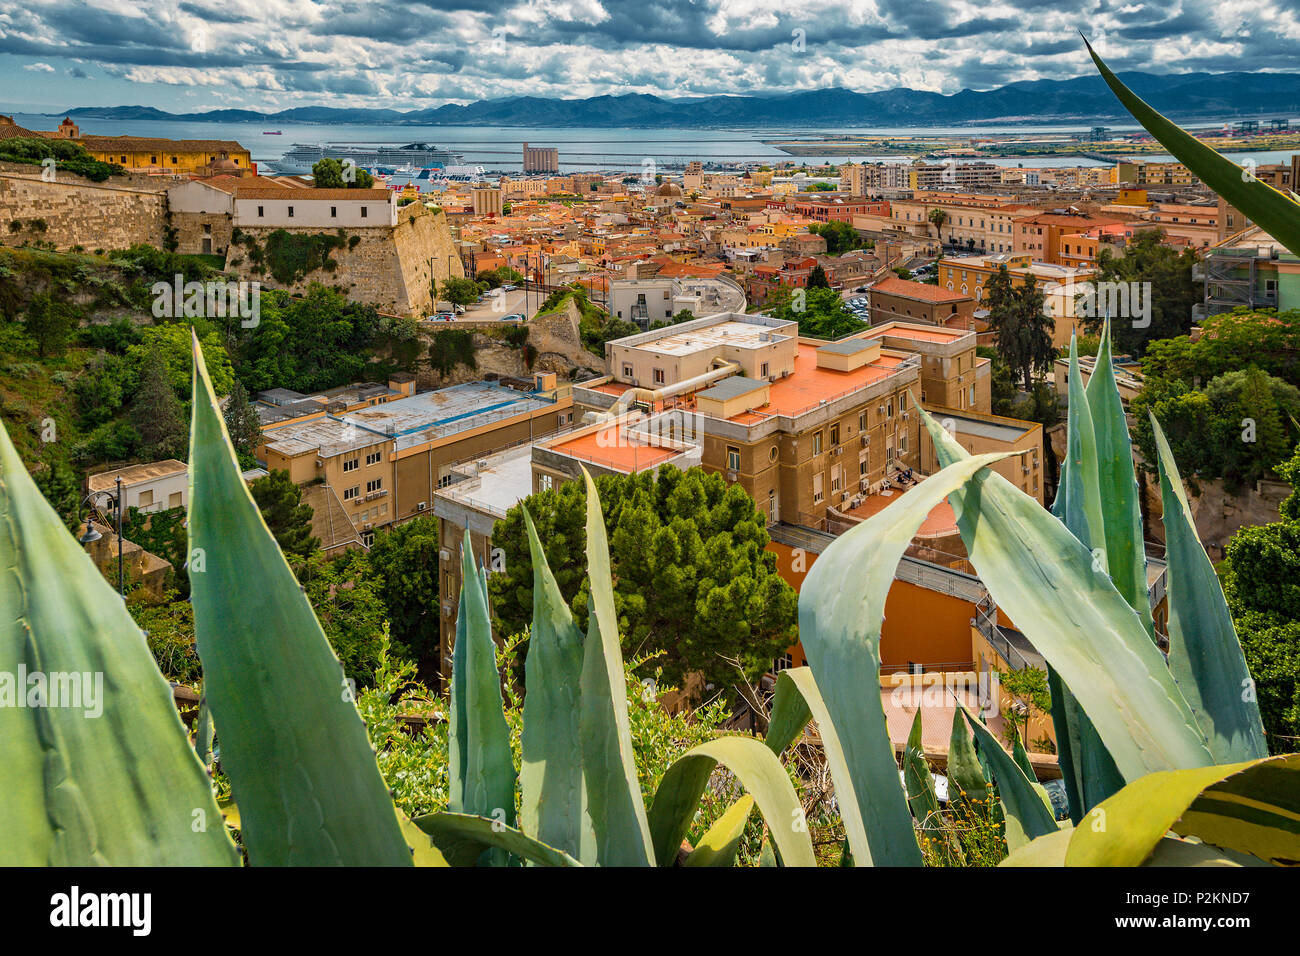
1082 99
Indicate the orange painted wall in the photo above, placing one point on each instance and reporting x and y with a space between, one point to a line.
920 625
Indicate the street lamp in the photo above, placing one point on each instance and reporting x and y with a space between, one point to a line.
92 533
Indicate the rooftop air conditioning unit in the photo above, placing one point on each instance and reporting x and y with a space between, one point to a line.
444 554
422 506
862 485
731 476
320 463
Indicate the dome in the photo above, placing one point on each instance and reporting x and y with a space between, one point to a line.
668 189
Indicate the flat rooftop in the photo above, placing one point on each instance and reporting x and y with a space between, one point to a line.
326 434
999 429
617 448
941 520
134 474
808 386
915 333
506 480
447 411
846 346
743 335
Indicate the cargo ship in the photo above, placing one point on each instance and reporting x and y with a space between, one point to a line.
302 157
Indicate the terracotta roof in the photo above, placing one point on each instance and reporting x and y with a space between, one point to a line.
13 131
257 190
137 144
922 291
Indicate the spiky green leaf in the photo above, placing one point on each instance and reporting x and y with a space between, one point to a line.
719 845
301 767
105 776
1027 817
465 839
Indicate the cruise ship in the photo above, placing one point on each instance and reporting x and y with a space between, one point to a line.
301 157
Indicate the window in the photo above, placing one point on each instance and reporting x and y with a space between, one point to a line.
146 498
902 401
374 457
862 464
889 453
173 160
545 482
174 500
364 210
153 160
762 370
835 435
817 488
659 376
334 212
350 493
837 478
733 458
290 212
261 212
351 464
375 484
862 421
817 443
627 370
902 443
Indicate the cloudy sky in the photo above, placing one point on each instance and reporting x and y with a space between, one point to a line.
270 54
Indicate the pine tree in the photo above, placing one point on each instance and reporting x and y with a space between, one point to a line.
280 501
242 423
50 323
156 412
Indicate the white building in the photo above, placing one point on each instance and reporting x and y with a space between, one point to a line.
150 487
258 203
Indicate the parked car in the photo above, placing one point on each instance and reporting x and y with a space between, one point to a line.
509 288
442 317
514 317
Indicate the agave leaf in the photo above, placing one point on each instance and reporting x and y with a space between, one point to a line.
966 780
1275 212
766 855
790 714
718 847
1045 580
921 798
465 839
1046 850
1089 771
1121 518
550 774
622 835
841 609
424 852
105 777
1027 815
204 734
759 772
1172 851
1248 807
477 724
300 764
1205 655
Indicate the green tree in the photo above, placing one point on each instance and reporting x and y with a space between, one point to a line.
938 217
329 173
404 565
1022 328
460 291
840 236
59 484
171 341
1228 342
346 600
1172 290
695 585
817 278
157 413
50 323
242 423
1261 580
280 501
824 314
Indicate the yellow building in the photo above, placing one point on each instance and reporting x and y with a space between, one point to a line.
148 154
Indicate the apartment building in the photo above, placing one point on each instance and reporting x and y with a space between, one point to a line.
658 299
1060 285
385 454
953 175
487 200
480 492
892 298
981 433
1039 236
952 374
1143 173
863 179
834 207
153 486
801 424
1251 270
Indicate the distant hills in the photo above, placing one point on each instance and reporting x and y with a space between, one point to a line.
1083 99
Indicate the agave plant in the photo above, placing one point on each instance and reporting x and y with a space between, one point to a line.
1278 213
126 788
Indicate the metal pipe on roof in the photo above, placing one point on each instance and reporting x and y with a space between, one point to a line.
650 396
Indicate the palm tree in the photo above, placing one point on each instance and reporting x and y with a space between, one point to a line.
938 217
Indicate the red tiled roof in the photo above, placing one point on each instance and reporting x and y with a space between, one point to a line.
920 291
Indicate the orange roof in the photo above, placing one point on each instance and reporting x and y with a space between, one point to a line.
810 385
903 330
940 521
616 448
892 285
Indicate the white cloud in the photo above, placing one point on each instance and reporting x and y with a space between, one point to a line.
39 68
